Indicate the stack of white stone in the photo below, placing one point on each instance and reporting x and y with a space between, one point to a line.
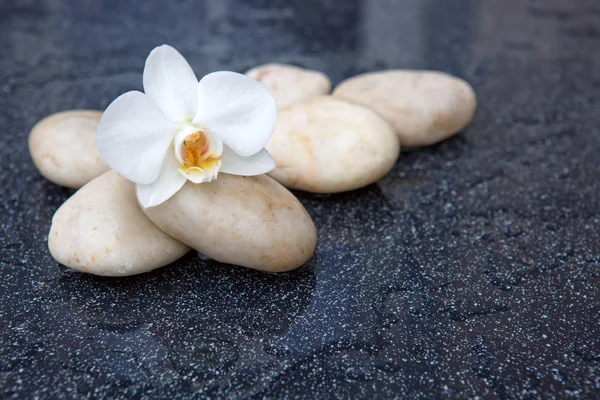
323 143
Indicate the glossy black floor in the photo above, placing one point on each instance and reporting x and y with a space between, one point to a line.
471 269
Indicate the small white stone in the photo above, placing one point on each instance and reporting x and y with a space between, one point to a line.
424 107
249 221
328 145
101 230
290 84
64 149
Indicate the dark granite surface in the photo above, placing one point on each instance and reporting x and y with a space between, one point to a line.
471 270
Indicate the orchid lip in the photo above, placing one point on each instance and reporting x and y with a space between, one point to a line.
199 153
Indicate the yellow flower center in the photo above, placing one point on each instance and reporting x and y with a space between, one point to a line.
196 153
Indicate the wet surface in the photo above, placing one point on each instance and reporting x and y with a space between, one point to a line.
471 269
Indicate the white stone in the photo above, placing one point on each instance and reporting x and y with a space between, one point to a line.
249 221
101 230
328 145
424 107
290 84
64 149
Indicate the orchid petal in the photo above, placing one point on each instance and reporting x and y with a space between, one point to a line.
257 164
134 136
171 84
241 110
168 183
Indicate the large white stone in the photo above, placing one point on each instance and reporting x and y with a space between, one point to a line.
290 84
328 145
424 107
64 149
101 230
249 221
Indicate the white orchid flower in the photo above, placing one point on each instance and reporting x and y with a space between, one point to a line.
182 129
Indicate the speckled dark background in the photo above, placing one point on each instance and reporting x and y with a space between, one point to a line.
471 269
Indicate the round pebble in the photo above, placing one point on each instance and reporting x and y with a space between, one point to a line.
64 149
248 221
290 84
328 145
424 107
101 230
